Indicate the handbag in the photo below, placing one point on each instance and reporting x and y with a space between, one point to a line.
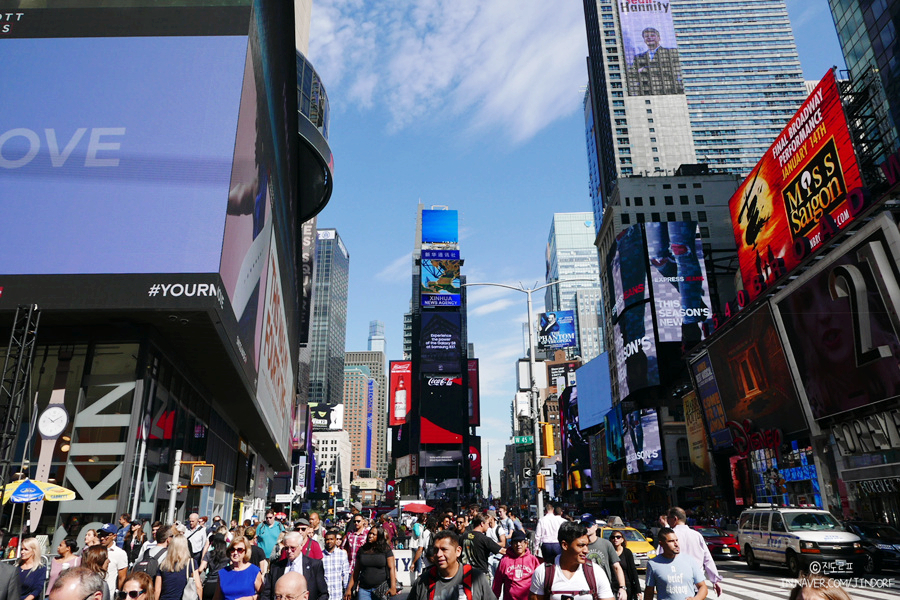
380 593
190 590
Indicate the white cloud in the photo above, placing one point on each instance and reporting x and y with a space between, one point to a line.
508 65
491 307
399 270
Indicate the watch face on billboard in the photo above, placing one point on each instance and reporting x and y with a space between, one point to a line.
643 451
440 278
440 227
556 330
837 320
440 343
400 387
799 193
678 276
651 52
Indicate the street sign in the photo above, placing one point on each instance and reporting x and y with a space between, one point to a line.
523 439
523 448
527 473
284 498
546 472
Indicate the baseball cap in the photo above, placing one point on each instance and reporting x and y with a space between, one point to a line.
108 529
588 520
517 536
302 521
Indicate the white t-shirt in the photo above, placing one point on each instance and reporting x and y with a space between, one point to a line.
577 587
118 559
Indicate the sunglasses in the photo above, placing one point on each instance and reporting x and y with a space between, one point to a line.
617 537
357 520
238 550
131 594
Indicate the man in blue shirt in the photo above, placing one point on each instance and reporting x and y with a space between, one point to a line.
673 576
267 533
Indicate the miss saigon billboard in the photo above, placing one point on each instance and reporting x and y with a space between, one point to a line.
805 189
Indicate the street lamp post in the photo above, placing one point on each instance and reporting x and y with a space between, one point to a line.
535 402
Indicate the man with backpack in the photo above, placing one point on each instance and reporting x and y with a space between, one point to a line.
571 575
449 579
150 556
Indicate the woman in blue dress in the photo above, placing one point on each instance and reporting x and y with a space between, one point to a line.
240 580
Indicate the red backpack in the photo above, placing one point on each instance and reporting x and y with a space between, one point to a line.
550 573
466 581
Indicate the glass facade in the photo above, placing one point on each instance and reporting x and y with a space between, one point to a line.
329 320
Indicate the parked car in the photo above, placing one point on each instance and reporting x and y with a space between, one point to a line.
881 542
642 549
721 544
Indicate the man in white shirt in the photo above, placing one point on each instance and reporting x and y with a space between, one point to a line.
569 571
118 558
546 532
692 544
196 537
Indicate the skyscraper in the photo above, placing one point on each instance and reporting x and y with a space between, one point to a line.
329 320
867 31
374 363
667 88
571 255
360 394
376 336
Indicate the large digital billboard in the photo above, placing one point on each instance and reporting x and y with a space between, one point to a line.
576 451
594 391
615 443
840 321
626 270
556 330
442 410
440 278
440 227
400 388
651 51
643 448
634 340
326 417
752 375
711 400
800 193
441 350
701 465
678 278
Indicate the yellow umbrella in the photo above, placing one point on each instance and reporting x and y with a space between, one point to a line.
27 490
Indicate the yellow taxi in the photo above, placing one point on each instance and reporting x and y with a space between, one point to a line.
642 549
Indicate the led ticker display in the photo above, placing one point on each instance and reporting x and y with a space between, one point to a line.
440 278
804 190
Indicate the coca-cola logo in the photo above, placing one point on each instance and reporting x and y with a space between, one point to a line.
443 381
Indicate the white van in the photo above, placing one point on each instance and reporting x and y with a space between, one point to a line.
801 539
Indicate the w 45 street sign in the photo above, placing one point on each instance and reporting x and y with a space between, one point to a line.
523 439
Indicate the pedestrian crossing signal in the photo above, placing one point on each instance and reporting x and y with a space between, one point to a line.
202 475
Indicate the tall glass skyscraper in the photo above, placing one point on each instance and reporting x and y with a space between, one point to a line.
328 333
688 81
571 254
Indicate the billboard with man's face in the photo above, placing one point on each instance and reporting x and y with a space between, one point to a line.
556 330
651 52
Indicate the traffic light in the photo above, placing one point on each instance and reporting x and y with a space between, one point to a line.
547 448
541 482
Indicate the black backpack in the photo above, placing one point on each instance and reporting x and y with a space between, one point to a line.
148 564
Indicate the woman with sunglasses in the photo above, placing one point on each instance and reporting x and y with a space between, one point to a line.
96 559
31 573
176 571
626 560
67 559
240 580
134 541
138 586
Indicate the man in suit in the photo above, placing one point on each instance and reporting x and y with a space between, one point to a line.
656 72
292 585
9 582
295 562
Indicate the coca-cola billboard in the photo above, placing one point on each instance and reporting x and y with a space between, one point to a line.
443 381
400 388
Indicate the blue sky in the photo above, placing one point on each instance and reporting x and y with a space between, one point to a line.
476 105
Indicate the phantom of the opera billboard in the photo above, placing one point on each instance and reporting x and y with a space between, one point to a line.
805 189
